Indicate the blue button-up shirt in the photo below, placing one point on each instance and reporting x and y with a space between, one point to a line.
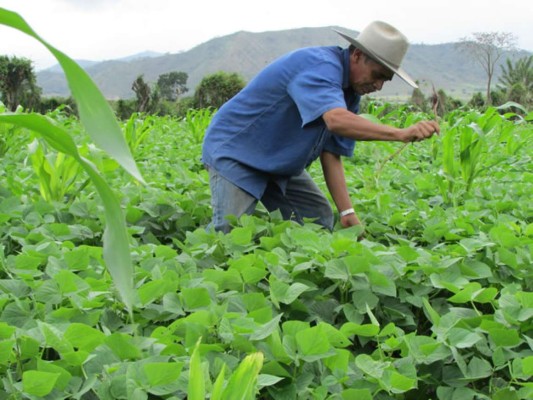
273 128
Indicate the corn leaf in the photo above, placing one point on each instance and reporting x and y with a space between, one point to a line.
243 382
196 387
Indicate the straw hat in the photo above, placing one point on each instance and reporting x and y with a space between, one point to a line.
385 44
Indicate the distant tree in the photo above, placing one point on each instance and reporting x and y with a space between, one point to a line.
486 48
172 85
517 80
214 90
18 83
147 100
477 101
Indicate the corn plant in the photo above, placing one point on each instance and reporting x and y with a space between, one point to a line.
471 147
56 171
196 122
449 163
241 384
136 130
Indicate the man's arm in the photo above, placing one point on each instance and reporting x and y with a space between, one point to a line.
345 123
334 175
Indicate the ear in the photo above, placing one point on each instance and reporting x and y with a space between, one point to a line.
357 54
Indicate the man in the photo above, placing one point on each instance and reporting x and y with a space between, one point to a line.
302 107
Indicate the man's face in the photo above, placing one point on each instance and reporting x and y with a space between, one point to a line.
366 75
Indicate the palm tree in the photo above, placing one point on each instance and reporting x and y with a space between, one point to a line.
517 80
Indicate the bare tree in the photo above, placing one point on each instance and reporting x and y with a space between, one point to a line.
486 48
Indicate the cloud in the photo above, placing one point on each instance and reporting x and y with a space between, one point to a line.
88 5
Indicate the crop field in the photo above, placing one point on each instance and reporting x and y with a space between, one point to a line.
112 288
434 303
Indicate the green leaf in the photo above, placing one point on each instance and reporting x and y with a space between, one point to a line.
283 293
504 337
425 349
466 294
122 345
313 344
154 290
195 298
478 368
267 380
506 394
162 373
365 330
63 378
369 366
54 338
462 393
433 316
241 235
196 386
6 331
218 386
485 295
527 366
335 337
359 394
267 329
83 336
7 354
400 383
243 382
504 236
463 338
38 383
339 361
337 269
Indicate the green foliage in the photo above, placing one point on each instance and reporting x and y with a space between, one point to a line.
97 118
214 90
50 104
435 302
196 123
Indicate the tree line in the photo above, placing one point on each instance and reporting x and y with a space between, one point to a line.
18 87
167 96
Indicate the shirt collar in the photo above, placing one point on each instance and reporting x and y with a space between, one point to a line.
346 65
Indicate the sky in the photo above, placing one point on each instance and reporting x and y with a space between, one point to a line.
100 30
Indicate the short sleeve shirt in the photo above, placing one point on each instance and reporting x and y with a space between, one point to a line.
273 129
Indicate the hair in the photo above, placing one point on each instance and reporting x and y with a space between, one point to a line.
352 48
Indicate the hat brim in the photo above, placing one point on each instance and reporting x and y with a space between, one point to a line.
397 70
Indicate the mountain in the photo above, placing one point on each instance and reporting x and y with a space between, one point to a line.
245 53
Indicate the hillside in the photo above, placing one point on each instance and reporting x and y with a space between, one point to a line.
246 53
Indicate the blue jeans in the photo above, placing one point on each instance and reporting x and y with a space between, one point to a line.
302 199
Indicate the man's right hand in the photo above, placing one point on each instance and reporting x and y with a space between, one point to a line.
420 131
